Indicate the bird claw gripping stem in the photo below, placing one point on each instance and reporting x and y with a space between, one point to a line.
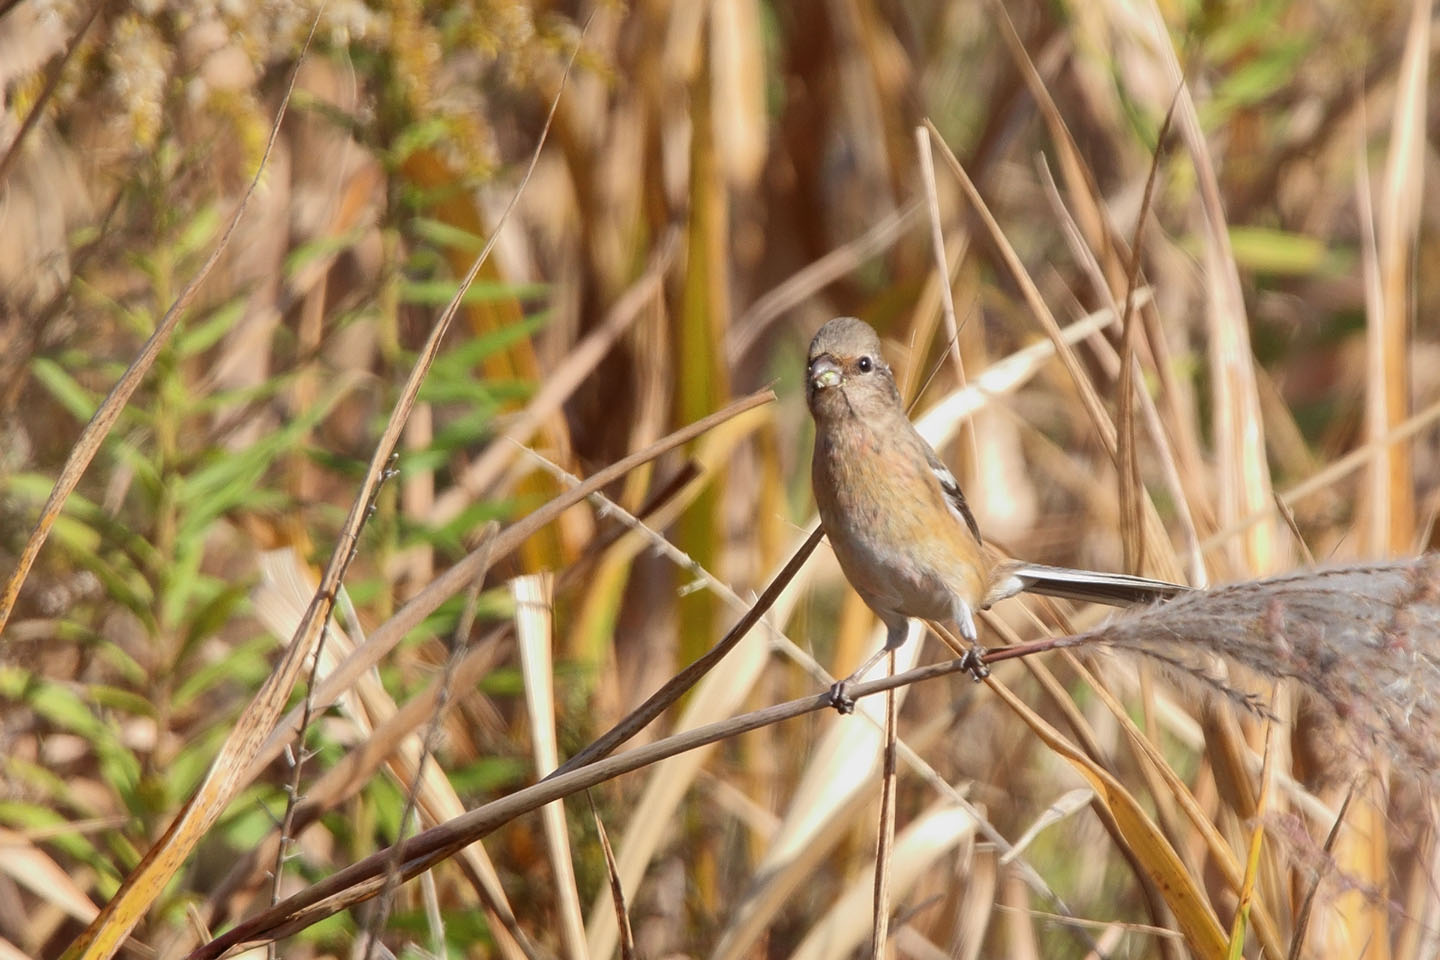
843 703
974 661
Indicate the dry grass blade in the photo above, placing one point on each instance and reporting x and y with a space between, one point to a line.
827 802
1172 717
1065 806
1244 476
930 836
30 867
1103 242
830 802
9 951
1173 787
885 835
1333 473
1098 417
428 789
1392 497
387 747
1187 901
1127 364
939 423
717 694
1154 534
1376 517
474 565
533 637
937 246
1129 384
1302 919
1252 861
392 744
1083 190
1086 737
617 892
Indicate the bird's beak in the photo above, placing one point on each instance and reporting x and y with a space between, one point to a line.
824 372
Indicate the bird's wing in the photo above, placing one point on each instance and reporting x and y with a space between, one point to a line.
954 496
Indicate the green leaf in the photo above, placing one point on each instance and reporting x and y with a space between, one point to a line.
42 781
29 816
452 534
441 234
184 773
61 706
120 660
79 402
199 231
464 431
259 810
196 339
437 293
211 614
125 701
490 775
223 401
417 136
140 461
321 248
244 665
1278 252
230 479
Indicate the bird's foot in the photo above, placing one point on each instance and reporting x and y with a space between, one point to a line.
840 699
974 661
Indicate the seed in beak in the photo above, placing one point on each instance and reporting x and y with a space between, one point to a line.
824 373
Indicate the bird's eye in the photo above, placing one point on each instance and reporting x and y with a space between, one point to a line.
865 364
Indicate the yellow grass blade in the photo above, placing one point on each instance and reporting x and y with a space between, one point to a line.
1185 898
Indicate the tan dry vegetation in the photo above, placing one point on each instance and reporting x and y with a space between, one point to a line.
718 179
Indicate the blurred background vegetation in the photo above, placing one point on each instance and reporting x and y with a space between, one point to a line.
721 177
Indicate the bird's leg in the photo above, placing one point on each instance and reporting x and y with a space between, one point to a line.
974 659
894 637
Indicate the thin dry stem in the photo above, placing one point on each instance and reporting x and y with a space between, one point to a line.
617 892
364 879
885 835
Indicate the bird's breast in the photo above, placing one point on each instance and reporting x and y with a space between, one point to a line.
886 520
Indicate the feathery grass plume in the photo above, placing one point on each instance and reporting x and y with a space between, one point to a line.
1363 640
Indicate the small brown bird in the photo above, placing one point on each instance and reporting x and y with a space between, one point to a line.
898 521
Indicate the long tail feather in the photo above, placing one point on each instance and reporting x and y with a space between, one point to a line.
1084 586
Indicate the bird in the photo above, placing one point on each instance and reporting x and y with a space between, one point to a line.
898 521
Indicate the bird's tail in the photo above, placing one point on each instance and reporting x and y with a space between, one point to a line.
1083 586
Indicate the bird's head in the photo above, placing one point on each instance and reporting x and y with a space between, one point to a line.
845 373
